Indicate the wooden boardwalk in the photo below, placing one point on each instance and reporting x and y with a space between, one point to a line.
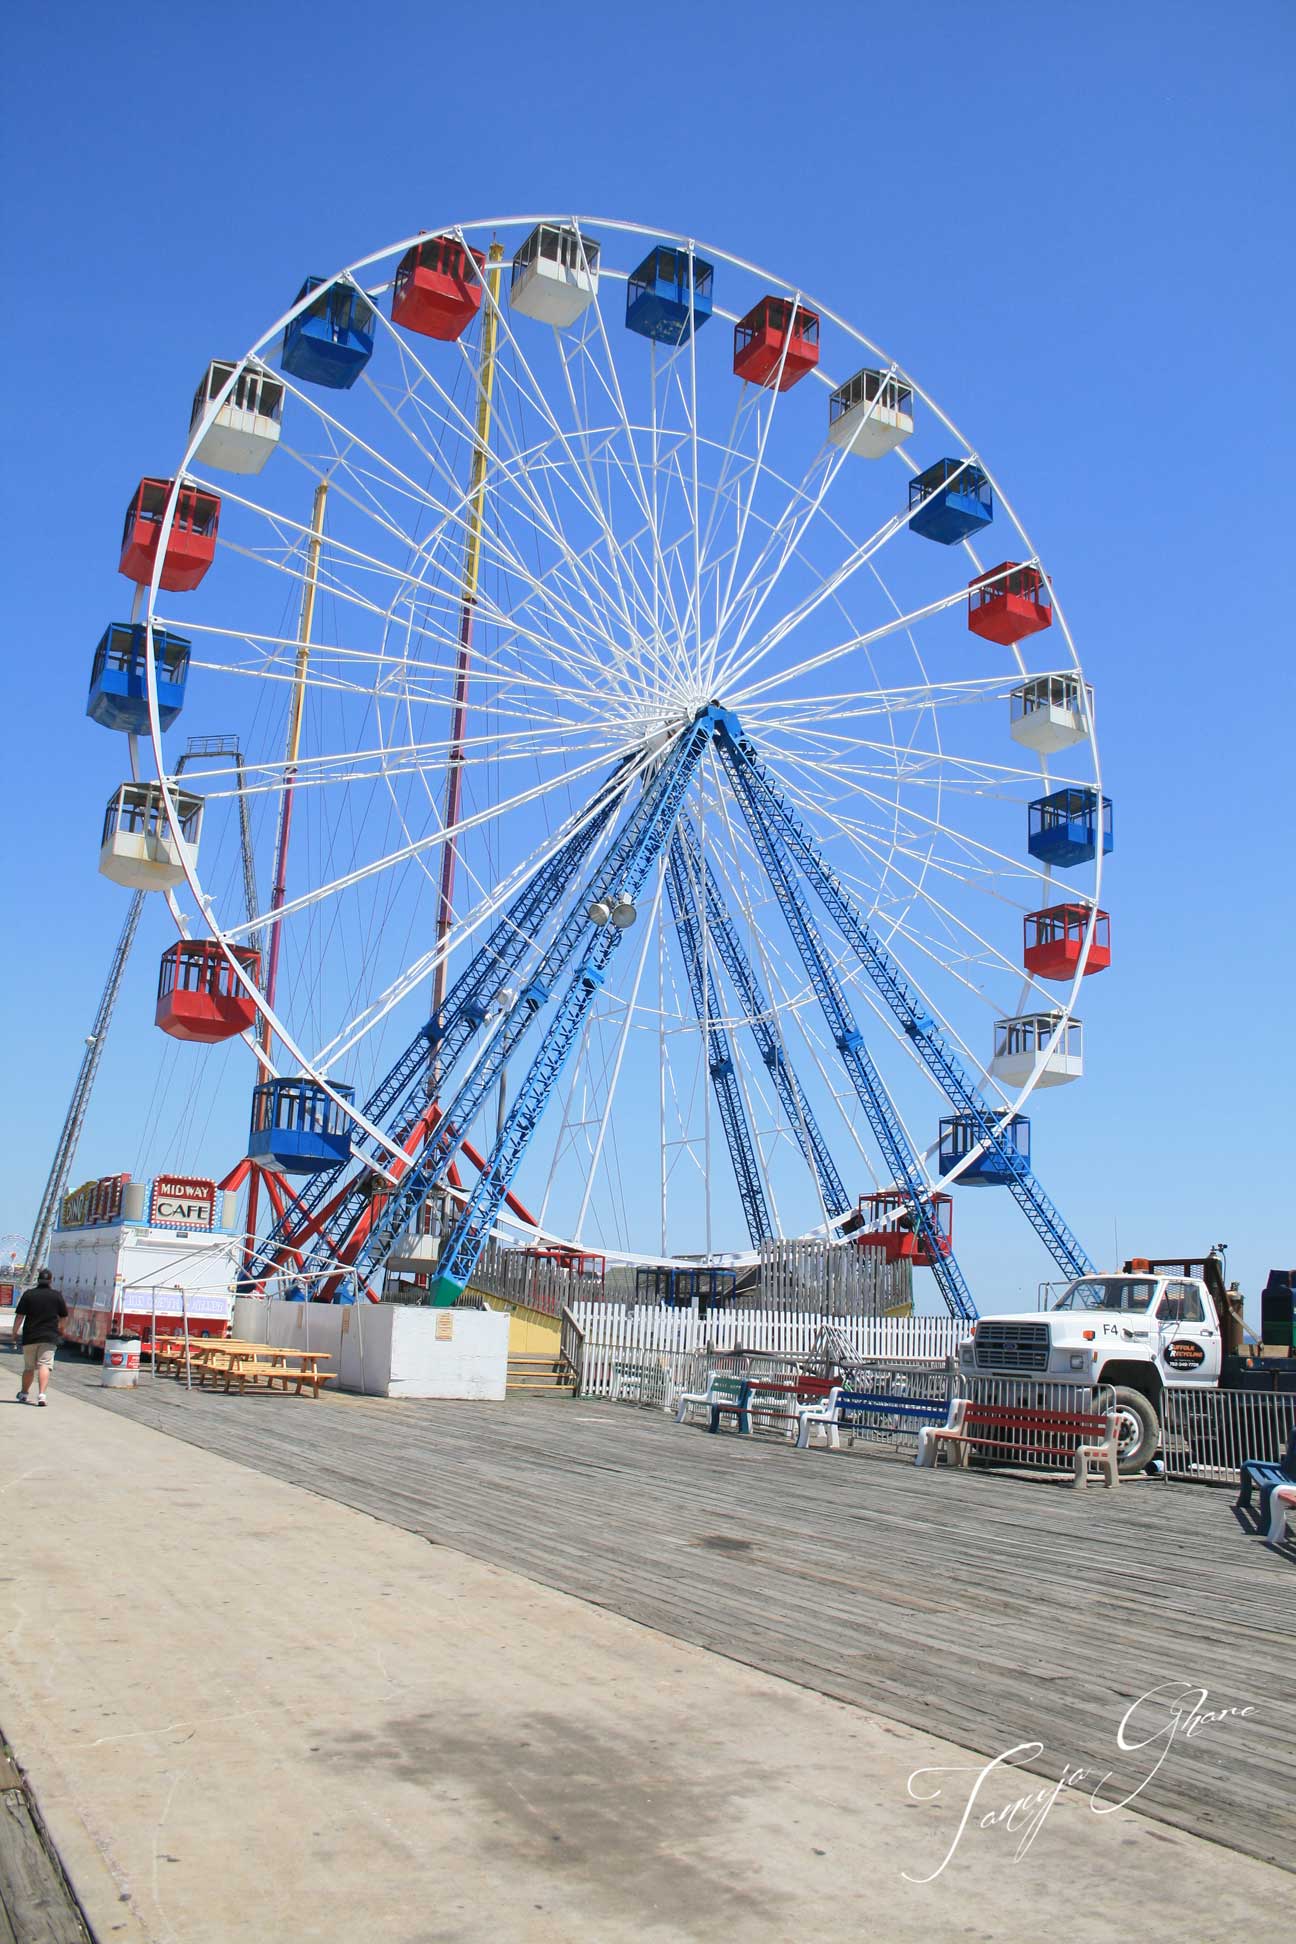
993 1610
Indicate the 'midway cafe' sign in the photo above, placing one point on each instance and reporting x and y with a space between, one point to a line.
182 1201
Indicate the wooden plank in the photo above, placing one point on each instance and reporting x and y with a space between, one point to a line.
986 1608
36 1905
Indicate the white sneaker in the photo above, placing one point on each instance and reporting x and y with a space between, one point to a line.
41 1402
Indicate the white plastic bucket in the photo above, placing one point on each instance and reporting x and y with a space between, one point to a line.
121 1363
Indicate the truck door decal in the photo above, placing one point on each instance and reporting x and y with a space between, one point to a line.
1182 1353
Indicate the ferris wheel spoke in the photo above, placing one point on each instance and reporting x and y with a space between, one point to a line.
316 770
765 424
986 954
589 495
491 904
416 848
851 755
979 853
900 699
519 473
782 544
629 467
902 623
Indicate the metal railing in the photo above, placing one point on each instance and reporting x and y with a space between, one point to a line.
1205 1434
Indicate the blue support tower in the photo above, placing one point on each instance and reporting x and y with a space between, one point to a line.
760 1016
724 1077
661 806
397 1101
887 1127
930 1045
435 1160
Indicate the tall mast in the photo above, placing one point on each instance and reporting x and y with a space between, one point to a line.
471 577
292 752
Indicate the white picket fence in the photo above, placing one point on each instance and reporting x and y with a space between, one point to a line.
623 1345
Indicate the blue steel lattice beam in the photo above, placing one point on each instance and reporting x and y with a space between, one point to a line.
611 874
724 1077
397 1101
760 1017
935 1052
887 1127
665 799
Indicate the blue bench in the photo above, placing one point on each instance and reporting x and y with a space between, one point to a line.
848 1410
1266 1473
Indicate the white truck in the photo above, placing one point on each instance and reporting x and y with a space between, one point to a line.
1150 1327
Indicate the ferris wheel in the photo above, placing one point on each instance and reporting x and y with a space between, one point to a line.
649 797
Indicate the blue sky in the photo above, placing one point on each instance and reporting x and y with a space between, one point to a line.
1069 222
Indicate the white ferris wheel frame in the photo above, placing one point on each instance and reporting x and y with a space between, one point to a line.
1061 1004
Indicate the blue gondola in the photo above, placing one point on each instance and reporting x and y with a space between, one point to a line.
331 342
118 697
676 1288
1064 827
297 1128
959 1134
953 500
658 293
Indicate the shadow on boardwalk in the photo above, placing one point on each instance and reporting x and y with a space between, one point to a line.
990 1609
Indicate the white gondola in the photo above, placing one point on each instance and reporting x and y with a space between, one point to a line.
1051 712
246 429
1021 1050
870 414
555 274
139 848
416 1249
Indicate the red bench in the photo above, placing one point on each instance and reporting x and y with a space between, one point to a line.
765 1393
1071 1438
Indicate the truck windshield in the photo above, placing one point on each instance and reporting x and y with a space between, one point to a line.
1108 1293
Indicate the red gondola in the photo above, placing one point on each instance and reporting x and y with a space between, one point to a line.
1054 940
759 341
899 1241
438 288
191 543
1009 603
199 997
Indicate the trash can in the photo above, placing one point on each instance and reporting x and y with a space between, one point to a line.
121 1363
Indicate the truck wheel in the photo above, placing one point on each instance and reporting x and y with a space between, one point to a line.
1138 1431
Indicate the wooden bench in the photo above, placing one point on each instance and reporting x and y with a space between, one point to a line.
800 1392
1267 1475
852 1410
722 1394
1076 1438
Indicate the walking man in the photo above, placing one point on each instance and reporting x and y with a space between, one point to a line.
41 1311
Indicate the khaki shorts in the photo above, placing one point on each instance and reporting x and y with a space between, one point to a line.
36 1354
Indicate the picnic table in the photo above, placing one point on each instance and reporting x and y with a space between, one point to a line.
232 1363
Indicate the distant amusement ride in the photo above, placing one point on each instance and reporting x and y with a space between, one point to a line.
620 821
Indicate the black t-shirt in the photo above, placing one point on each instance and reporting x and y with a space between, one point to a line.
40 1310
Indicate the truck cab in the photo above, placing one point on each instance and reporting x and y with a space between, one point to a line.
1138 1331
